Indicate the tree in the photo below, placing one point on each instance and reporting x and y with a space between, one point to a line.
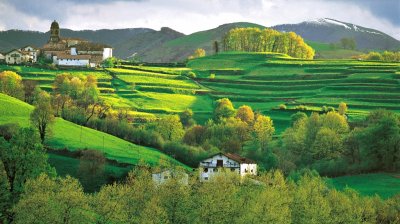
170 128
223 109
198 53
342 110
29 90
48 200
263 131
42 116
187 118
22 158
327 145
91 166
216 47
297 116
110 62
11 84
246 114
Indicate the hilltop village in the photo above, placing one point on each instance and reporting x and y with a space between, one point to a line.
68 52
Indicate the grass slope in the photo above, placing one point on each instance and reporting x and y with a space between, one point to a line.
385 185
73 137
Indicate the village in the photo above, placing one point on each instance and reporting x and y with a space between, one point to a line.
65 52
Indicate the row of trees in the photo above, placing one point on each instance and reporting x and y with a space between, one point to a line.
345 43
225 199
327 144
267 40
387 56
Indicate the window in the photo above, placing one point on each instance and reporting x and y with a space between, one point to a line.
165 177
220 162
215 169
205 170
233 169
205 178
245 170
251 171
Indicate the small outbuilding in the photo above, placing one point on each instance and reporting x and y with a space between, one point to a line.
165 175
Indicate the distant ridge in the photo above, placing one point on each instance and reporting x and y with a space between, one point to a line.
168 45
330 30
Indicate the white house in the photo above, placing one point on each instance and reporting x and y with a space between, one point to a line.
227 161
32 52
163 176
16 57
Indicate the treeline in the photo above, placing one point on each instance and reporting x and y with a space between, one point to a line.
387 56
328 144
267 40
225 199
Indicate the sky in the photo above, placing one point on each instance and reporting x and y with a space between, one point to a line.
188 16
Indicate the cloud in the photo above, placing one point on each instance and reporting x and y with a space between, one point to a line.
194 15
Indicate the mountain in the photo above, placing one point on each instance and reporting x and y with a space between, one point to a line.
181 48
330 31
145 42
12 39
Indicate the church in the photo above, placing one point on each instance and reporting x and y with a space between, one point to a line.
74 52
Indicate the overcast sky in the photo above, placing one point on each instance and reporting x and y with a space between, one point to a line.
189 16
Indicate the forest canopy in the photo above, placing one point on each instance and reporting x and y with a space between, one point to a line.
267 40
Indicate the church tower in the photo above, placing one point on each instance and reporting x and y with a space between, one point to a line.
54 32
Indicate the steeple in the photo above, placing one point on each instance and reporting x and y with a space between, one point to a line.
54 32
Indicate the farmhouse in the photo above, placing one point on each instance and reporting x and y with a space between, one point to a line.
229 161
16 56
165 175
74 51
32 53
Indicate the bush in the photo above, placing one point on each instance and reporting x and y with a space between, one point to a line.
191 75
212 76
300 107
282 107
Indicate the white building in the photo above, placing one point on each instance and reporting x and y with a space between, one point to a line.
32 52
163 176
72 60
228 161
16 57
2 57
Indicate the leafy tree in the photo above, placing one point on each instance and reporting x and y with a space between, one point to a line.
187 118
381 141
22 158
170 128
153 213
48 200
246 114
327 144
11 84
198 53
342 110
263 131
42 116
223 109
110 204
297 116
348 43
29 90
5 200
110 62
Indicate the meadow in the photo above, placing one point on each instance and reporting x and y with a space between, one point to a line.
385 185
67 135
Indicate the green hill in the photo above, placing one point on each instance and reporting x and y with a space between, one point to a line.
324 51
74 137
180 49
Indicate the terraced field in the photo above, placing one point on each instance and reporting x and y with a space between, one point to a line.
264 81
260 80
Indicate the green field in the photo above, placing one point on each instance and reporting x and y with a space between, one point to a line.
385 185
74 137
260 80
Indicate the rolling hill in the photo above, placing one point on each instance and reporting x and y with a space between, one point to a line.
329 30
168 45
67 135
